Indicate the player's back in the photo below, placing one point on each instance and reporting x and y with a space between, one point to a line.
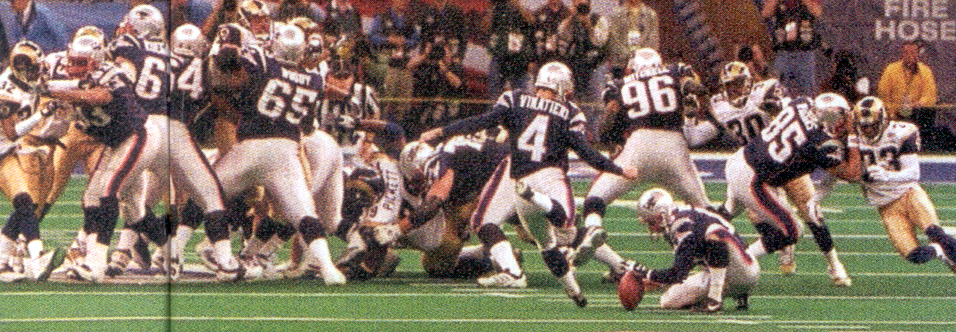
188 94
279 98
113 122
151 59
651 98
538 131
792 145
473 159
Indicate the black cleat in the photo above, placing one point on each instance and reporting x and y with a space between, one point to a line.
742 302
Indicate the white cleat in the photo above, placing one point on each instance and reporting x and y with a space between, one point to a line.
206 253
333 277
838 275
7 274
594 237
119 260
90 273
39 268
504 279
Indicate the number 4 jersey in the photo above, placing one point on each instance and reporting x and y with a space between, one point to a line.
540 132
792 145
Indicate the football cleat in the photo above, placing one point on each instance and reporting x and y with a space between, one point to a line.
945 257
615 273
708 306
90 273
254 270
205 252
838 275
504 279
787 264
572 289
119 260
39 268
743 302
594 237
7 274
330 275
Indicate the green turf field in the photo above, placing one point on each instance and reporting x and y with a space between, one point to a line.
887 293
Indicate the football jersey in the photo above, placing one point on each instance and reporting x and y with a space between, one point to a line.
744 123
898 139
792 145
688 238
651 98
277 100
188 96
540 132
56 64
117 120
473 159
151 60
361 104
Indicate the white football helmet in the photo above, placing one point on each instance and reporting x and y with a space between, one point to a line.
288 44
255 16
26 62
91 30
654 208
555 76
313 37
644 58
188 40
144 21
413 158
832 113
83 54
736 81
871 118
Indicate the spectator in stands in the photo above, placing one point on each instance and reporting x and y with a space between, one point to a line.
908 83
634 25
437 73
796 41
341 16
583 37
754 57
847 80
393 37
289 9
33 21
508 23
443 23
547 19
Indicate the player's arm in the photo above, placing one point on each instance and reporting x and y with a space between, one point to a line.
908 163
591 156
474 123
851 168
436 196
679 270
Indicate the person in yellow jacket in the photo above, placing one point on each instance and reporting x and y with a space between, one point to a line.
907 84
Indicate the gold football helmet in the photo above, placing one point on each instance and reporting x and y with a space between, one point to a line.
736 81
26 62
871 118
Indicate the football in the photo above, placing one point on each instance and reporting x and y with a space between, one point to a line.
630 290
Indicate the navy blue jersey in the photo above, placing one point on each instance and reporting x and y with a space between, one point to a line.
278 99
188 95
151 59
115 121
792 145
651 98
540 133
472 160
688 237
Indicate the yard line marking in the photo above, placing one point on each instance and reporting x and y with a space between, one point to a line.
696 320
826 327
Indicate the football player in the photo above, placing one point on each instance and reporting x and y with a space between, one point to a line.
542 126
443 185
23 165
808 134
276 96
647 107
889 152
698 237
742 110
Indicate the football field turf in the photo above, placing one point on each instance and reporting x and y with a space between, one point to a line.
888 293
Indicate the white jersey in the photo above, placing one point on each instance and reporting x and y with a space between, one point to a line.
746 122
899 139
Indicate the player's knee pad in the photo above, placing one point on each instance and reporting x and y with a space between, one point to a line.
311 229
594 205
556 261
773 238
491 234
191 215
921 254
217 226
821 234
